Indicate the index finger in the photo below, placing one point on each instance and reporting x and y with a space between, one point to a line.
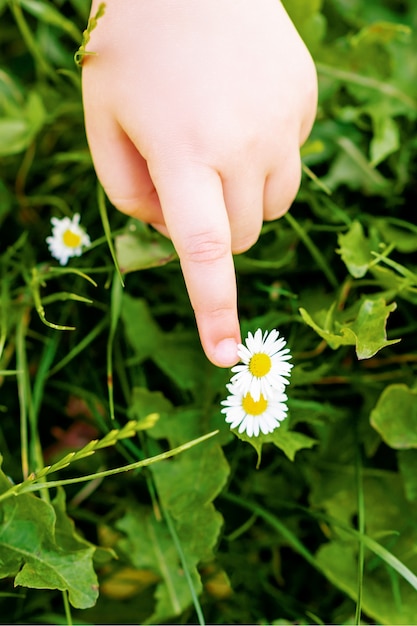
196 218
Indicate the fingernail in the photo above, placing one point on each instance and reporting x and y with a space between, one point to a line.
225 354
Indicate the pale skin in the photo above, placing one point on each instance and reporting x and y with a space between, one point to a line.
195 112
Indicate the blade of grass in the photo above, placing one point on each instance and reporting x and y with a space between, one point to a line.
101 200
312 248
183 560
361 530
23 391
366 81
32 483
277 525
115 309
369 543
81 345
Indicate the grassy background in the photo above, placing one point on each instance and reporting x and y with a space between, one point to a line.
316 524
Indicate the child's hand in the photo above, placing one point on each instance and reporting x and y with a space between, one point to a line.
195 112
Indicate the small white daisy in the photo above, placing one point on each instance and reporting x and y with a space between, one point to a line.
68 238
263 415
264 365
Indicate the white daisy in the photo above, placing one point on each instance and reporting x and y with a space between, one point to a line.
263 415
68 238
264 365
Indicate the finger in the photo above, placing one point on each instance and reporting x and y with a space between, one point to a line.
122 170
243 195
281 187
197 221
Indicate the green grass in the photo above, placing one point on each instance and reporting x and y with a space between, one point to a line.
124 497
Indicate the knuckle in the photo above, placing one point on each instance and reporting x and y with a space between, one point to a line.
143 207
206 248
244 245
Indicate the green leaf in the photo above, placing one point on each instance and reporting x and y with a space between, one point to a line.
178 353
186 489
20 125
310 23
290 442
386 138
367 332
355 250
339 564
402 233
141 330
395 417
41 550
149 546
369 327
142 400
389 585
352 168
140 248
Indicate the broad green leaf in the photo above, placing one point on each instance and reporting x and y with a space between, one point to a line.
367 332
186 490
19 126
339 563
142 400
149 546
178 354
355 250
395 417
141 330
181 358
369 328
40 549
387 521
140 248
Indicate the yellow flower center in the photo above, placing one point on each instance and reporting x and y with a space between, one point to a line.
254 408
71 240
260 364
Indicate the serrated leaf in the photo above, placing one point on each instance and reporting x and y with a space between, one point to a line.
355 250
395 417
386 138
367 332
42 551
